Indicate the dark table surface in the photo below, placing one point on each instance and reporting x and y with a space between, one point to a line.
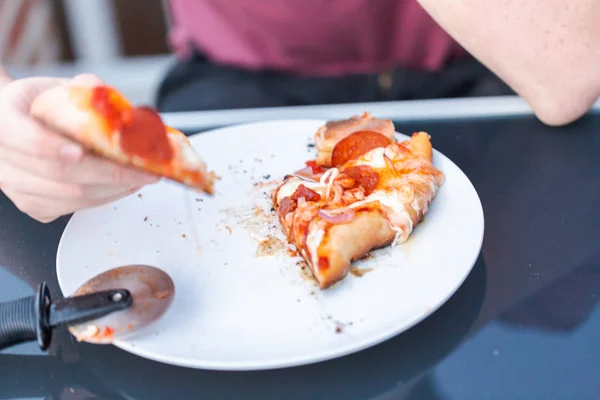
524 325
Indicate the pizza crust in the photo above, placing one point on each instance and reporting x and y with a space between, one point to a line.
62 110
344 243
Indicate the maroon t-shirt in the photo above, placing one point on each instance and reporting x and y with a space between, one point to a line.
312 37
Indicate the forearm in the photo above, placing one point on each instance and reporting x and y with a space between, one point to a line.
547 51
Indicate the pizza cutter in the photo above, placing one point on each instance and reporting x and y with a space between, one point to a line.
117 304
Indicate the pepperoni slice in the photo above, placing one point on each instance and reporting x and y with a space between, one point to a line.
364 176
323 263
143 134
355 145
286 206
290 203
308 194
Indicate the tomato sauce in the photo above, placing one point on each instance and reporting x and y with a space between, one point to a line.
142 132
316 169
364 176
307 193
323 263
101 102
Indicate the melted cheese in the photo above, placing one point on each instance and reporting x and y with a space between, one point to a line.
327 179
390 194
373 158
323 186
313 241
395 210
288 188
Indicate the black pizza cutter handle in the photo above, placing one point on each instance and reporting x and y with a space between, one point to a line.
34 318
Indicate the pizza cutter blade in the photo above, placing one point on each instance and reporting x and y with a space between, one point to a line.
152 291
116 304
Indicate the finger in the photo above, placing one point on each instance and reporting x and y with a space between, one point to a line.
20 132
47 210
27 183
21 93
90 170
114 197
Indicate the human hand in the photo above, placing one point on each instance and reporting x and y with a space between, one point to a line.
45 174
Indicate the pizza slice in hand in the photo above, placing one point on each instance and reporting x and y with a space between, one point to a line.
374 195
100 118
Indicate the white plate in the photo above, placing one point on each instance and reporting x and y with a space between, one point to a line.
235 311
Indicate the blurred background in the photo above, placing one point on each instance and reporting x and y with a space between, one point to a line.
122 41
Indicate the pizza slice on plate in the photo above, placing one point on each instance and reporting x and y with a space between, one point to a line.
374 195
100 118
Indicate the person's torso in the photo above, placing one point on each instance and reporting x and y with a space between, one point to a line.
312 37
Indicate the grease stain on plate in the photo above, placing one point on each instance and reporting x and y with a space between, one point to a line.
270 246
360 272
305 272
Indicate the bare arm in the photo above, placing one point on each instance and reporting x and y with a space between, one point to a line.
548 51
